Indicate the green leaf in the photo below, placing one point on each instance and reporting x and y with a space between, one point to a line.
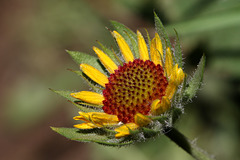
80 58
162 32
178 51
86 107
89 136
129 36
65 94
209 23
195 83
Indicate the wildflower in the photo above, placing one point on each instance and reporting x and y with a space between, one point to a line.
138 94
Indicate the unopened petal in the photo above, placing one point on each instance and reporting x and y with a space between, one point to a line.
106 61
141 120
83 116
142 47
170 90
85 126
89 97
124 47
104 119
180 76
168 62
94 74
159 107
176 78
125 129
156 50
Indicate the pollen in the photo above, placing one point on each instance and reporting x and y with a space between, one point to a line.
132 88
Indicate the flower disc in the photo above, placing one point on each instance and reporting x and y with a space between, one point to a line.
132 88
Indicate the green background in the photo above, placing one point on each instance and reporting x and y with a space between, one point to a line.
35 34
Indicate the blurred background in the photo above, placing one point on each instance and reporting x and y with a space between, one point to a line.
35 34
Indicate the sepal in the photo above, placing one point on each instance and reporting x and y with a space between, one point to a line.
195 82
95 135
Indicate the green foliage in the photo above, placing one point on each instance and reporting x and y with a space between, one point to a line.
178 51
92 135
162 32
196 81
80 58
65 94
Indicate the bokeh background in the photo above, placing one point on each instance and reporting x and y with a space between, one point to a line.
35 34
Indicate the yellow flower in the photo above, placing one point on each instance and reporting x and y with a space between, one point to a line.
134 92
137 93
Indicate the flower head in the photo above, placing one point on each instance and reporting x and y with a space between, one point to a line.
138 96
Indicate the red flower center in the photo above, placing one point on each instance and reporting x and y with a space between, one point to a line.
133 88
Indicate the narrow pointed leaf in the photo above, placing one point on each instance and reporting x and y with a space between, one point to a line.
85 107
82 136
129 36
80 58
195 82
65 94
162 32
178 51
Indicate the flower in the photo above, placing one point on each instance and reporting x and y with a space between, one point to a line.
139 88
139 94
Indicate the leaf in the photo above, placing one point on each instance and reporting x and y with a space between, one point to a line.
65 94
209 23
162 32
80 58
129 36
178 51
195 83
91 136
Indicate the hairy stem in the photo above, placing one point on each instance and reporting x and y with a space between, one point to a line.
187 145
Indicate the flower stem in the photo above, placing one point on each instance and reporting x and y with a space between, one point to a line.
187 145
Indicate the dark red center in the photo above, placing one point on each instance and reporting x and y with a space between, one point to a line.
133 88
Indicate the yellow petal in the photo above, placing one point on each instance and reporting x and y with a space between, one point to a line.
83 116
141 120
99 119
158 107
125 49
85 126
94 74
156 50
168 62
142 47
170 90
124 130
179 75
89 97
104 119
106 61
176 78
